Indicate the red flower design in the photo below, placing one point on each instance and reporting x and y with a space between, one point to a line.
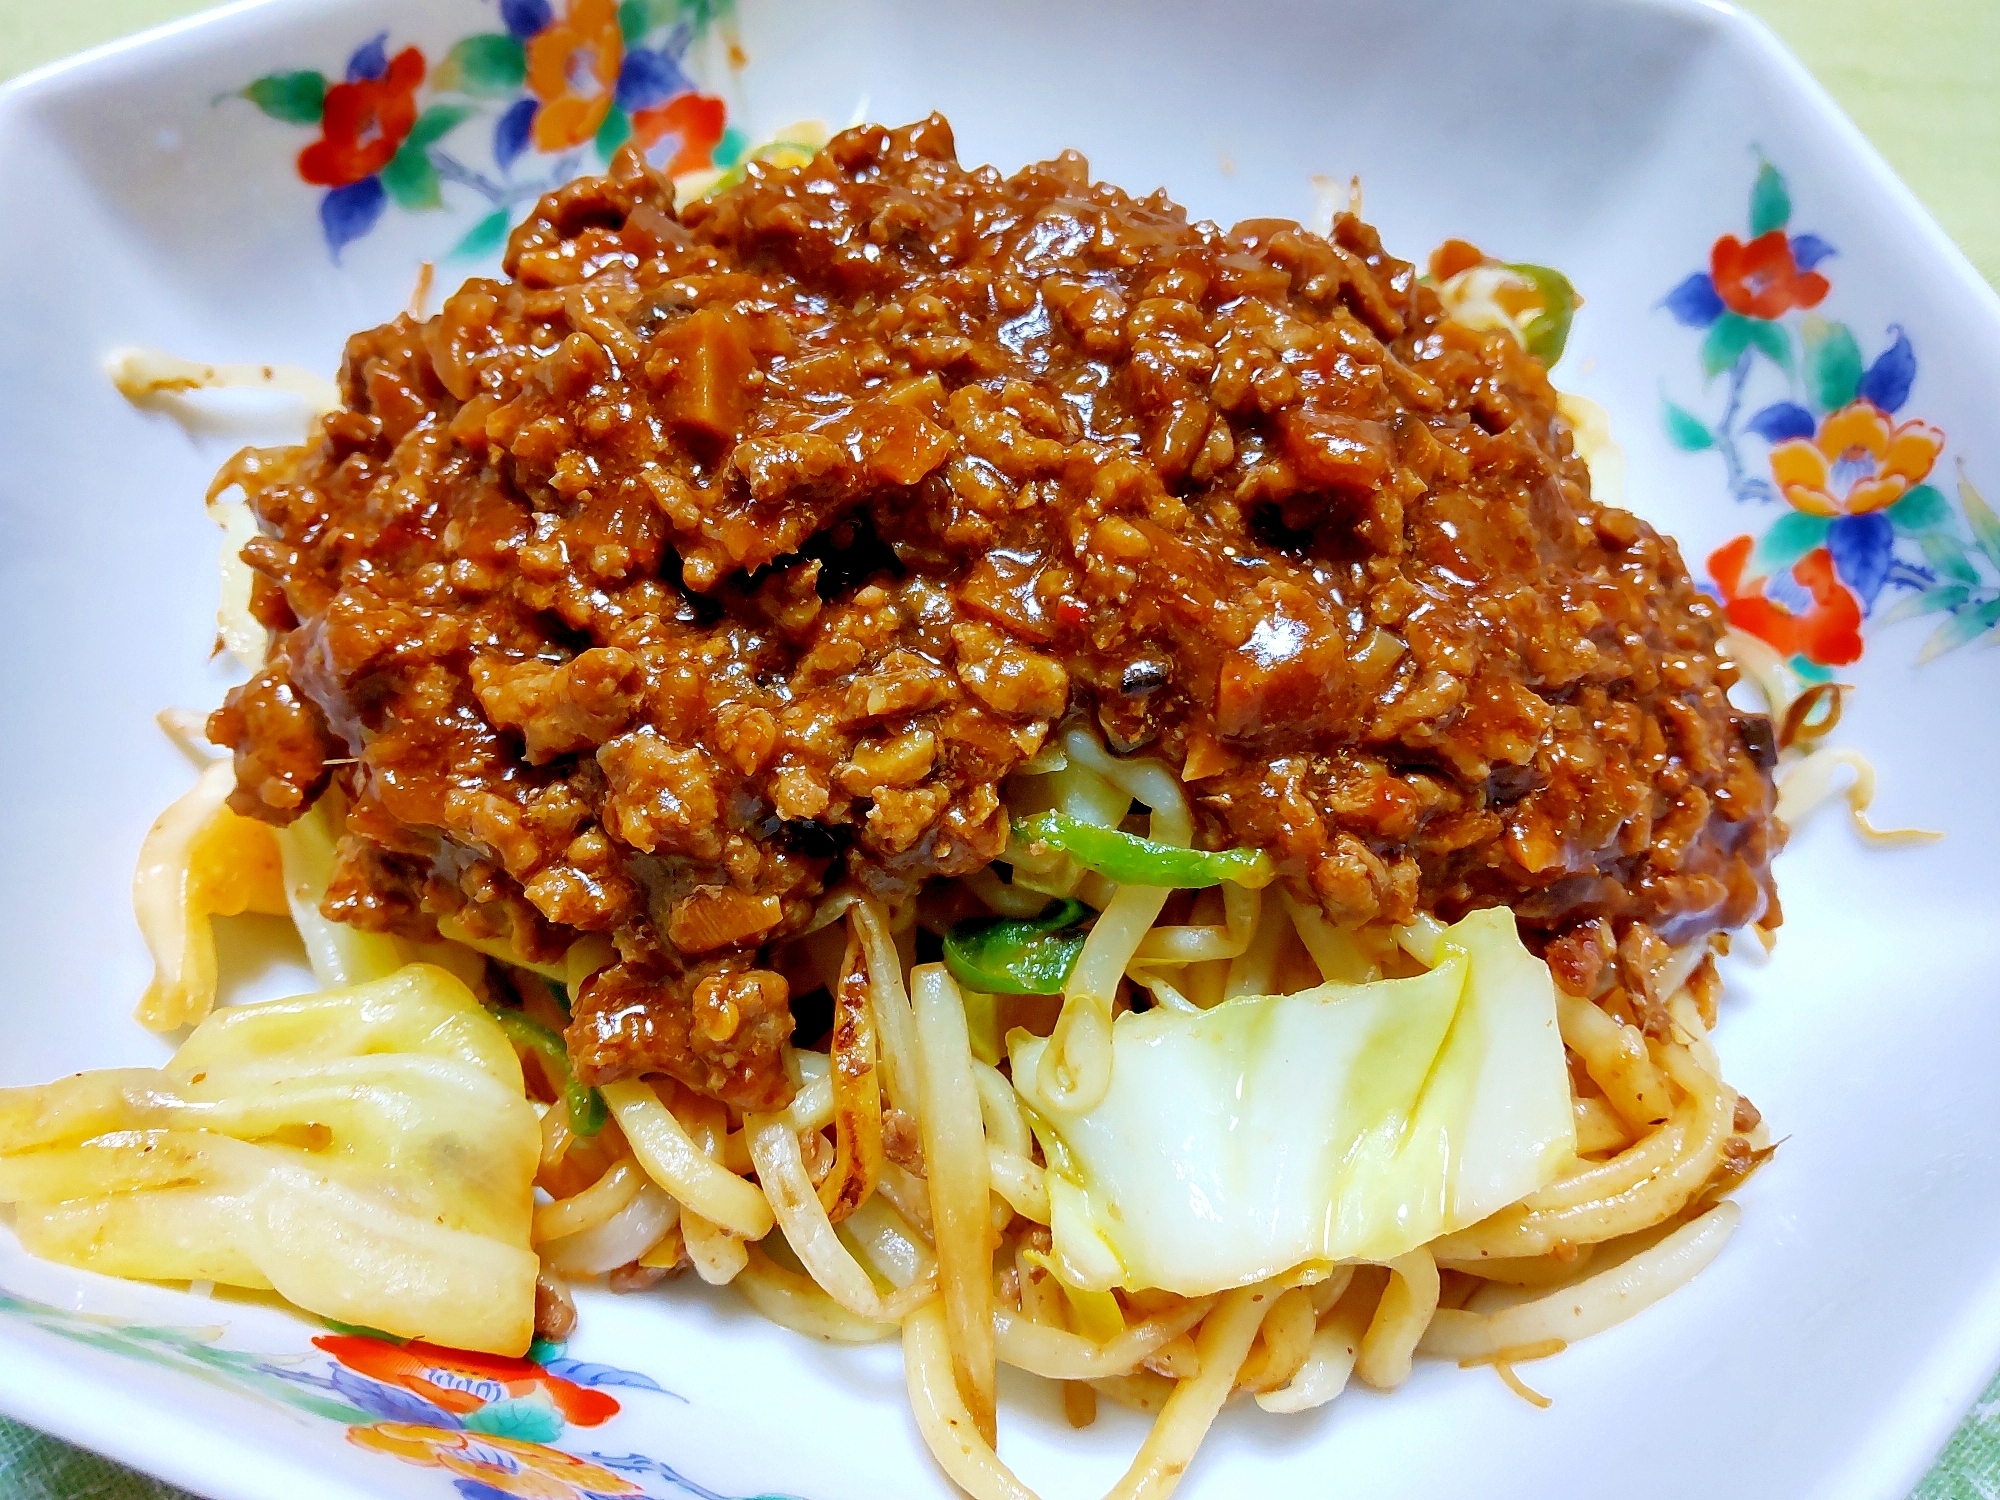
461 1382
1829 632
1761 279
696 119
363 123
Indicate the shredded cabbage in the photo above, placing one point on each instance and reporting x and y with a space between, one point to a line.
1346 1122
367 1153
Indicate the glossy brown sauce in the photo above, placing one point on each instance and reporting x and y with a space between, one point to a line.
714 554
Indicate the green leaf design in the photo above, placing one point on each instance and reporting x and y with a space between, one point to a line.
696 15
488 66
1964 625
1946 554
1770 201
411 179
482 239
1833 362
1727 338
525 1419
729 150
1923 509
363 1331
437 122
1771 341
1985 525
613 133
635 19
1685 430
295 98
190 1351
1931 601
1790 538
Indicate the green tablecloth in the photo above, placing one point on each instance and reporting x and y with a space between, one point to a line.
1917 75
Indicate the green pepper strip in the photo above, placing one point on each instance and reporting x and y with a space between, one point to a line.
1130 860
997 956
558 993
586 1105
1547 331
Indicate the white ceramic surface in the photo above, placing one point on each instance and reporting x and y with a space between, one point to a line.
1829 1350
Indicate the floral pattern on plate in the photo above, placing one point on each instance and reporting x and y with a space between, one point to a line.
552 87
491 1423
1866 535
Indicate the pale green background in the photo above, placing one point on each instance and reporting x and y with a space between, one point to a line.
1922 78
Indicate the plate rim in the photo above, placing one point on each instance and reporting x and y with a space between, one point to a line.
47 1388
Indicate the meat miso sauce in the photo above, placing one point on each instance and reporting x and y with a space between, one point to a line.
725 552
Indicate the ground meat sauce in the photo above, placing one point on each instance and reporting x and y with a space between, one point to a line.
717 553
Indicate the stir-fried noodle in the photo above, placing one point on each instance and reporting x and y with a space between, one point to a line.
906 1186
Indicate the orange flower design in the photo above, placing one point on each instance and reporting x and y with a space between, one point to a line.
1859 461
573 68
460 1382
525 1471
1828 632
696 119
1762 279
362 124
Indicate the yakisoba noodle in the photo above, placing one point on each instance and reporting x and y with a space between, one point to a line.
914 725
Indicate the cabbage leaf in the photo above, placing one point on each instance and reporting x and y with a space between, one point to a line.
367 1153
1345 1122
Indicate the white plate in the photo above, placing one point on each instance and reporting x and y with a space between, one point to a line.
1828 1351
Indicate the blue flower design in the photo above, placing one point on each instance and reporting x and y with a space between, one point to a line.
1888 380
370 60
347 213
